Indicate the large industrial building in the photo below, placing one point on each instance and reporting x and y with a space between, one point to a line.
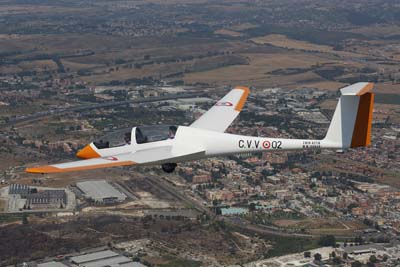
47 198
24 197
104 258
101 192
52 264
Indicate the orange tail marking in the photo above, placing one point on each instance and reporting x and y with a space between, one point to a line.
363 125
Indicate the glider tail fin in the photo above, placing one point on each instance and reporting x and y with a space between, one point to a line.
351 122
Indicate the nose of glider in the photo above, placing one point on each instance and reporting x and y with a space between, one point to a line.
87 153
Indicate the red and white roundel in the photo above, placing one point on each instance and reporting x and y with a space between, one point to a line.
226 104
112 158
266 144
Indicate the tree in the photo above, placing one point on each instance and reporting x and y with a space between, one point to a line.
252 207
25 219
336 261
327 240
373 259
317 257
218 211
351 206
307 254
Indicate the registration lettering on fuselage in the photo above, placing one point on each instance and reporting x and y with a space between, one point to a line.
311 144
259 144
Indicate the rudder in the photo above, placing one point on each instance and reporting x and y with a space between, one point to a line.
363 125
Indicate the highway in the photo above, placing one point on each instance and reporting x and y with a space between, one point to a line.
62 111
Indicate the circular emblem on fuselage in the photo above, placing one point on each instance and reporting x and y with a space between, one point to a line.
226 104
266 144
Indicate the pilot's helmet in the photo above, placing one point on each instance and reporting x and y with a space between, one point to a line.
173 128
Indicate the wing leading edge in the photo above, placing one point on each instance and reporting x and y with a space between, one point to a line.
147 156
222 114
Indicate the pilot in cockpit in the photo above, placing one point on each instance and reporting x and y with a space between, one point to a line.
140 137
172 132
127 138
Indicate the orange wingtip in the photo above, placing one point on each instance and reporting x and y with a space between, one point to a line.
43 169
87 153
52 169
245 88
243 98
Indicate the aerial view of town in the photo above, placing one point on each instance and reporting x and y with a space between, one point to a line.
72 72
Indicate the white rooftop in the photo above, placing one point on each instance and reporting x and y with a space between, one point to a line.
105 258
52 264
99 190
94 256
114 261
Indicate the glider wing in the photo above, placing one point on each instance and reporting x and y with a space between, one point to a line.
222 114
147 156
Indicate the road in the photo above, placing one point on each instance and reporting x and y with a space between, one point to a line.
175 192
262 229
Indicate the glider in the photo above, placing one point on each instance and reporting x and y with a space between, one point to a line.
350 127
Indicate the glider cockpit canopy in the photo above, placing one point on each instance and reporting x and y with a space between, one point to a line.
139 135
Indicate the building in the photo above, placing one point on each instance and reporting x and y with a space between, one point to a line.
282 193
47 199
101 255
101 192
19 189
104 258
30 198
223 195
234 211
362 249
273 180
52 264
201 179
357 211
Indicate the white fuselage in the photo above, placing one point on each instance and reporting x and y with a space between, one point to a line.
218 144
